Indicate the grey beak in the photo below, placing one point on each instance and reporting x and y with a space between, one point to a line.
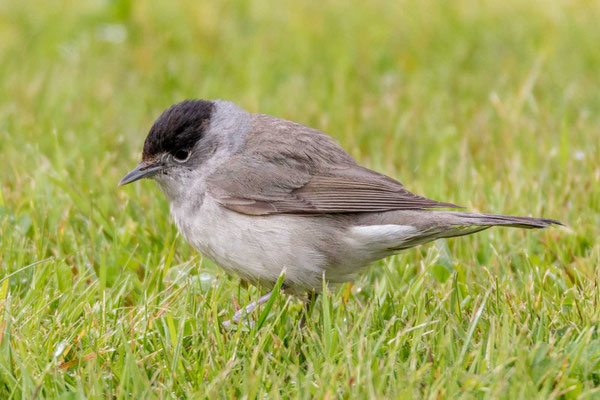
143 170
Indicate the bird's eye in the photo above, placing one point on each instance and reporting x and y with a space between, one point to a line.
181 155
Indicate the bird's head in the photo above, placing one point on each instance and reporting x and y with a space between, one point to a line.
177 142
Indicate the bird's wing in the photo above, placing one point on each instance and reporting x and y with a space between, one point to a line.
303 171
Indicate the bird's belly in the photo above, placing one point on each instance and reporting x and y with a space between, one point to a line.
258 249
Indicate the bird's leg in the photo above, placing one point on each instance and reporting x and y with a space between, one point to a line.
308 306
245 311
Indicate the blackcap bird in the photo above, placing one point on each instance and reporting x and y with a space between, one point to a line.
260 195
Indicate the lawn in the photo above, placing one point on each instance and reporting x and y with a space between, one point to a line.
490 105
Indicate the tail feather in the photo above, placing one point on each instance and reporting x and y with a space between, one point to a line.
504 220
432 225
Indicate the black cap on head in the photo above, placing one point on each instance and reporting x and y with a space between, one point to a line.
179 127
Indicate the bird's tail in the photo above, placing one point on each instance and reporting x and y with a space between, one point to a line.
432 225
488 220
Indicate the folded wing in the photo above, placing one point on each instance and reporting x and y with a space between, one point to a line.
258 187
292 169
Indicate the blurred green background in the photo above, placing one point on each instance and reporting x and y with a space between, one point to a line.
491 105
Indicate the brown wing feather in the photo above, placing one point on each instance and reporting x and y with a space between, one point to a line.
285 192
342 195
292 169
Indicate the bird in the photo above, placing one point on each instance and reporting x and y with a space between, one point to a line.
261 196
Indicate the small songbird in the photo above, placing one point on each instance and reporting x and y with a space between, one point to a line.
260 195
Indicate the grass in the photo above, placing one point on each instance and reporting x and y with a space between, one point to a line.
491 105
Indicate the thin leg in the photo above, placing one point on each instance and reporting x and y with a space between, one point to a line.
308 306
244 312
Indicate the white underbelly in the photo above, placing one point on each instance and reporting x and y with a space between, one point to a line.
258 249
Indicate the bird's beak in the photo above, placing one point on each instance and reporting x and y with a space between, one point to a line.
143 170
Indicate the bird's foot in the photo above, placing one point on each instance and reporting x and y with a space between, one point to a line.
244 312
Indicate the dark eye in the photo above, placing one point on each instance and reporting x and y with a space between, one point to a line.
181 155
